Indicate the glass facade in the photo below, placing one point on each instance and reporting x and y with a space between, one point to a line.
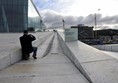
18 15
13 15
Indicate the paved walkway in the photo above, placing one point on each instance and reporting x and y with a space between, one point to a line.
10 41
10 48
53 68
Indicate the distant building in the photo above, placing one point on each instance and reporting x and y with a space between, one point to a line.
84 32
107 32
115 39
108 35
88 36
13 15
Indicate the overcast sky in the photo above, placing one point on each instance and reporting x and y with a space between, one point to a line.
76 12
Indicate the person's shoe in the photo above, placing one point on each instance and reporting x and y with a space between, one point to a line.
34 57
25 57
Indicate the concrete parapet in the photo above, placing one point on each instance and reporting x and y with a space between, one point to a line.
96 66
71 56
10 51
109 47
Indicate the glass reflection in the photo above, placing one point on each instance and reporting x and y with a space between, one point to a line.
34 18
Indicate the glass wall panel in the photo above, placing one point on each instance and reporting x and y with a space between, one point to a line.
34 18
13 15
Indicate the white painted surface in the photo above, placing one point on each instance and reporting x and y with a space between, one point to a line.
113 54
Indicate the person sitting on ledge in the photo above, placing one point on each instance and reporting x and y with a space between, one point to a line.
26 45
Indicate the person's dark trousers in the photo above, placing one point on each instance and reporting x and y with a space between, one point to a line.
34 52
25 56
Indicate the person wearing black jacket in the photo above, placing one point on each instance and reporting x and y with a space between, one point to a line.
26 44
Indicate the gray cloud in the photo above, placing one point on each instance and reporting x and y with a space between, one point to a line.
109 20
54 20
